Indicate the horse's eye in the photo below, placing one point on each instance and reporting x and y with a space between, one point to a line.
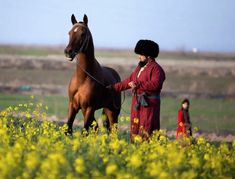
83 34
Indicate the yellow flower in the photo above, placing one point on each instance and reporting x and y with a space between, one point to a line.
114 145
94 124
122 118
137 138
224 149
233 144
162 131
28 115
110 169
162 138
188 174
79 165
164 175
32 160
201 140
135 161
206 157
3 132
127 118
57 157
154 168
105 159
195 129
33 147
195 162
136 120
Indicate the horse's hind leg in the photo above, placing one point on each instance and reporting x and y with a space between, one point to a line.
112 117
105 120
71 116
89 118
113 110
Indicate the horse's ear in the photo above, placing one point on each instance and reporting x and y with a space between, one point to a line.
73 19
85 19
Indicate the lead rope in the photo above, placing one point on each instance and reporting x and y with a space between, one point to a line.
88 74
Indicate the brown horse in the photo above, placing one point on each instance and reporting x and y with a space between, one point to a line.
87 88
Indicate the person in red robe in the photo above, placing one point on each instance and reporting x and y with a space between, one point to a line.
184 126
146 82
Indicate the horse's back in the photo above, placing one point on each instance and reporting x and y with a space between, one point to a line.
111 76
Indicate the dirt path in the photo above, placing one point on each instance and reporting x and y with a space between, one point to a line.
192 66
173 63
210 136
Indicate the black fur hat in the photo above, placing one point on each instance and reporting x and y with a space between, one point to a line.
147 48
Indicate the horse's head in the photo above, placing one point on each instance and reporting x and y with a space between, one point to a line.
79 38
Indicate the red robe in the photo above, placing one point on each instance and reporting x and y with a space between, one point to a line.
147 119
181 125
182 129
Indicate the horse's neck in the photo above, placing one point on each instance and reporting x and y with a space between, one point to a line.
83 62
86 64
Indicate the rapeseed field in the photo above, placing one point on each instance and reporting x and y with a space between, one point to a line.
32 147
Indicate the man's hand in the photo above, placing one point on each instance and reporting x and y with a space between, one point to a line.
132 84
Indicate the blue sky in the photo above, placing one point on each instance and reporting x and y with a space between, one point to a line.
207 25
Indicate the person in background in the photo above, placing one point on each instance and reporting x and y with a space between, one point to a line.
184 126
146 83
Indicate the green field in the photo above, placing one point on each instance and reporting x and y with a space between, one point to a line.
212 115
124 53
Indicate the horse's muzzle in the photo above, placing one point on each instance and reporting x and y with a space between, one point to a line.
70 55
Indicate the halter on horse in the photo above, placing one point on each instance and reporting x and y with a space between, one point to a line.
87 86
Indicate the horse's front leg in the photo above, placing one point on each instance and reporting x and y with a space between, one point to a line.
71 116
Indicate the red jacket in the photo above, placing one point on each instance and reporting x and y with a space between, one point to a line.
150 80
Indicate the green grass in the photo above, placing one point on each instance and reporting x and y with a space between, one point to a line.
57 105
200 83
213 115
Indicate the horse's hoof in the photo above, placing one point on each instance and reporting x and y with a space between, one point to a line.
68 132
